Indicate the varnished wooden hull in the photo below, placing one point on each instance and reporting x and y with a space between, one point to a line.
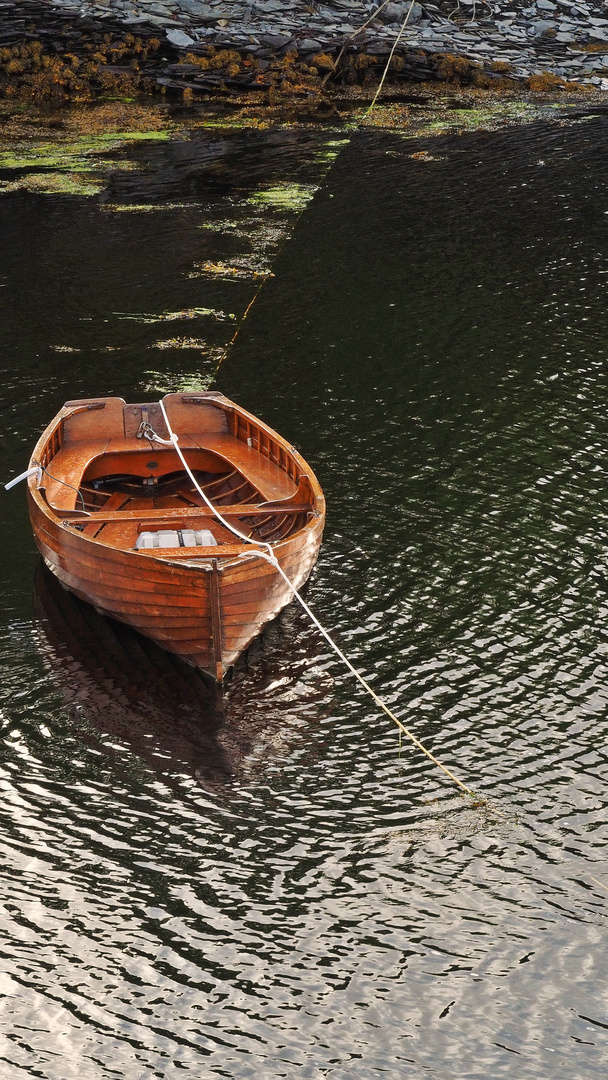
206 609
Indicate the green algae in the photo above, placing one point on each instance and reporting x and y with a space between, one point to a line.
234 123
330 151
54 184
284 196
69 166
75 154
446 118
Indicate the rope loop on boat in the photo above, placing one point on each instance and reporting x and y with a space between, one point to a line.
174 441
146 431
264 551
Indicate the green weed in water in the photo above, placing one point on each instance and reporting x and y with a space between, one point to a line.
491 115
284 196
54 184
67 163
73 155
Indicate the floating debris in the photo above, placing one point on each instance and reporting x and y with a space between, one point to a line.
330 151
146 208
183 343
63 348
235 271
423 155
259 232
175 316
160 382
222 226
267 236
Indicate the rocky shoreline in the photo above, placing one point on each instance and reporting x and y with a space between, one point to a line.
59 49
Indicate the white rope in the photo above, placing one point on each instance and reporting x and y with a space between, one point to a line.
22 476
388 63
270 557
173 439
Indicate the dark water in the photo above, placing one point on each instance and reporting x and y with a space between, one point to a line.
259 885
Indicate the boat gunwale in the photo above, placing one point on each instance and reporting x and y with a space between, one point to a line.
61 518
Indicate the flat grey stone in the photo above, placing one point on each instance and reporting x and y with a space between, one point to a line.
158 20
395 13
267 5
546 5
309 45
195 7
276 41
598 34
179 38
161 9
565 37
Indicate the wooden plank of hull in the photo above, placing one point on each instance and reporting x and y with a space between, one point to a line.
264 597
162 608
172 608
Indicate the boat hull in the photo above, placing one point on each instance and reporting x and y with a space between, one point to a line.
208 614
206 610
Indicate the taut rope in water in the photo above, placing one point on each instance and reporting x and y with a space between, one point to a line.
264 550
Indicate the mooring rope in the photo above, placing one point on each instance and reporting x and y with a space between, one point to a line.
265 551
388 62
361 121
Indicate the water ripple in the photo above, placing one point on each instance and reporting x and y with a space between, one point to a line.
263 883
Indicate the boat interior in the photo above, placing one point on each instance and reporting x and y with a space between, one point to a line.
125 489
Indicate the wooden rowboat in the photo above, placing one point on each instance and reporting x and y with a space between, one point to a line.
122 524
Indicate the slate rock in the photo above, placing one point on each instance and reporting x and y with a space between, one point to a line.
179 38
309 45
393 13
541 27
276 41
195 7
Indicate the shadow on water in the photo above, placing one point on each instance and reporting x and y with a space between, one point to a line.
117 685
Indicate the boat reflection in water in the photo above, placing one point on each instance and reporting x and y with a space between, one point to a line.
119 686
